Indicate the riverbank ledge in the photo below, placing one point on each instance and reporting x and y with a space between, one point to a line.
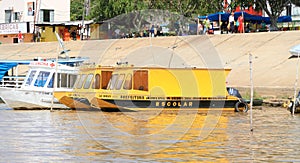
274 73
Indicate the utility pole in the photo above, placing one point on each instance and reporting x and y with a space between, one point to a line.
251 98
82 24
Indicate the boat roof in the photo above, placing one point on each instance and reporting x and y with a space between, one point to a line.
60 60
6 65
172 68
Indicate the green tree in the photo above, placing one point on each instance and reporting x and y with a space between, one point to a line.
273 8
76 9
107 9
296 2
186 8
244 4
209 7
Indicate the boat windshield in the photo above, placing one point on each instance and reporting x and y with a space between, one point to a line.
41 79
30 77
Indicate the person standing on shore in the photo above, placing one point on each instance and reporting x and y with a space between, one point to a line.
20 36
241 24
231 22
206 24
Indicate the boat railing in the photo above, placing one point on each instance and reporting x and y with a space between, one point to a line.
12 81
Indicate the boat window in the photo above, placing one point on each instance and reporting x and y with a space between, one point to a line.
30 77
128 82
96 82
72 80
106 75
62 80
41 79
77 80
50 84
113 81
88 81
80 82
120 81
140 80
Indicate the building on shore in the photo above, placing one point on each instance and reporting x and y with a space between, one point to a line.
36 20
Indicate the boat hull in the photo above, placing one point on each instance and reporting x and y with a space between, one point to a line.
165 104
72 100
25 99
75 103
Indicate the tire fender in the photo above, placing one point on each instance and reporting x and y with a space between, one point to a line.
240 104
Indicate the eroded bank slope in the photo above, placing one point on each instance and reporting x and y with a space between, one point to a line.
273 72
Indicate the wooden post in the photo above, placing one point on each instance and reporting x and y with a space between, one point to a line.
82 25
198 25
296 83
55 73
251 98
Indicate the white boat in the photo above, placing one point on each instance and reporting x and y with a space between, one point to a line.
35 91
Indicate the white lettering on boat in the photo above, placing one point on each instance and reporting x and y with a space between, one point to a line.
46 64
174 104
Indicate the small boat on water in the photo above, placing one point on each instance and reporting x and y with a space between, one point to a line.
147 88
294 104
35 90
234 92
295 51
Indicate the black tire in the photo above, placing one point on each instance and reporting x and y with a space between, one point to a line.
241 106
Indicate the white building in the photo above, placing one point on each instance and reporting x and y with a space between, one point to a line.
21 15
293 11
40 10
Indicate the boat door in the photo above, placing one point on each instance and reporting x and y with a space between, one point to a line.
140 80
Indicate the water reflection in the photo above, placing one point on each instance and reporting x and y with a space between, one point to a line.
88 136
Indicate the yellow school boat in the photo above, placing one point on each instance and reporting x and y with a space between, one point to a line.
148 88
89 79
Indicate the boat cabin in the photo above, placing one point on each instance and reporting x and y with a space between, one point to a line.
42 74
147 88
171 82
12 72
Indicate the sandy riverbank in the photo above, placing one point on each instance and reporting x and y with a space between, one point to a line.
273 73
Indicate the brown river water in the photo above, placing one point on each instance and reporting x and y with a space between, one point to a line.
156 136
